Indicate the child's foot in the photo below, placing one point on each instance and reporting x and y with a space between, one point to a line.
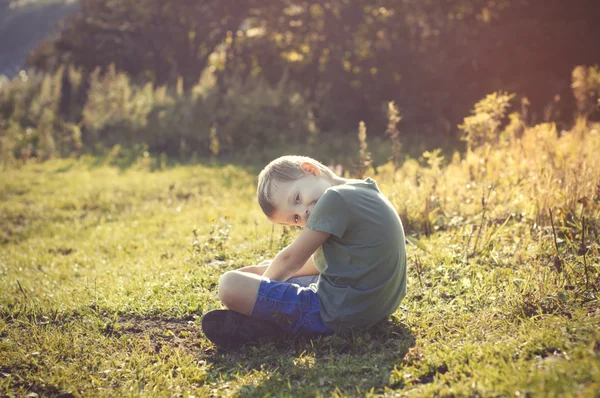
229 329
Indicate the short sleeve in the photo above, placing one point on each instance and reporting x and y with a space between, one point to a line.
330 214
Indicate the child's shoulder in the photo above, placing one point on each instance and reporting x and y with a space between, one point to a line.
354 195
356 187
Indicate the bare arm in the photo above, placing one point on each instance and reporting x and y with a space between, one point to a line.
292 260
307 269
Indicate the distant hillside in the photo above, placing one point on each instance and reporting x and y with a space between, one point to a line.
23 25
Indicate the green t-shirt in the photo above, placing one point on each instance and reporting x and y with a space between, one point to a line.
363 263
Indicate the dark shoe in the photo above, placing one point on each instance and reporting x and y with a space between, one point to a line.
230 329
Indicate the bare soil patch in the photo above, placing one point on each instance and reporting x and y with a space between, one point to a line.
175 333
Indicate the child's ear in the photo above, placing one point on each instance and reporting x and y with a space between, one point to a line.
311 169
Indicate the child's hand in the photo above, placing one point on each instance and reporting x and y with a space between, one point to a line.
257 269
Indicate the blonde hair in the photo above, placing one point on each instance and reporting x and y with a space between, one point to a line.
283 169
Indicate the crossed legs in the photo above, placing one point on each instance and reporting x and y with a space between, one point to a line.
238 289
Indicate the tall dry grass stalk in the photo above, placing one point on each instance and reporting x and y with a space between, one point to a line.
364 162
392 131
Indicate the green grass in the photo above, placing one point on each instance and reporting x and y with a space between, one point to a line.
105 273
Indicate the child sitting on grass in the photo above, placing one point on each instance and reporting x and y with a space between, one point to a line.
352 238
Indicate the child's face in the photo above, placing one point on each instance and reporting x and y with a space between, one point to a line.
294 200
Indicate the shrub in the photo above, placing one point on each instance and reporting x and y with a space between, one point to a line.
543 169
115 109
254 114
483 127
586 89
33 126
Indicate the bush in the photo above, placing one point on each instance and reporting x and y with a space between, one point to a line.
255 115
543 169
30 104
57 113
586 89
45 115
484 125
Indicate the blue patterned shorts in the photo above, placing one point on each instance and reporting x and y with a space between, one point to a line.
293 305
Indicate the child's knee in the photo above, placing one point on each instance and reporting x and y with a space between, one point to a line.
237 291
226 287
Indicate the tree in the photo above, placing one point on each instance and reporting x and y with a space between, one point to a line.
434 58
152 39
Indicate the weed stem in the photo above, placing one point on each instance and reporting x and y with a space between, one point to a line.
21 289
585 267
553 231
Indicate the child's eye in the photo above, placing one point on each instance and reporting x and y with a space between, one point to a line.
296 218
297 198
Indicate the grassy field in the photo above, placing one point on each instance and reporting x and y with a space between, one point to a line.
105 273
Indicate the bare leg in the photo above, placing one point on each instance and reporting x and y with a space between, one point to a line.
238 290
